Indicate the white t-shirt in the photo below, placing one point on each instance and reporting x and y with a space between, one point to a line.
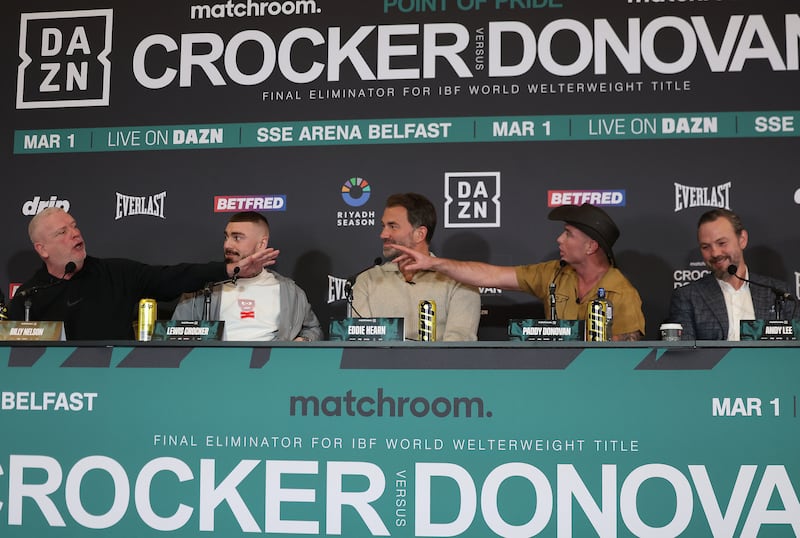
739 304
251 308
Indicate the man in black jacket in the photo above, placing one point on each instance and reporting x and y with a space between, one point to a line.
97 298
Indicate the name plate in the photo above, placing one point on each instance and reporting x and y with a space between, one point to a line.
760 329
546 330
45 331
188 330
367 329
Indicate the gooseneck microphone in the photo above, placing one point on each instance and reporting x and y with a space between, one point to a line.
552 296
783 295
351 280
30 292
206 315
780 295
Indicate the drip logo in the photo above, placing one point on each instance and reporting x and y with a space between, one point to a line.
472 199
64 59
355 192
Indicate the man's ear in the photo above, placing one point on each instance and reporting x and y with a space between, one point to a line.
420 233
40 250
743 237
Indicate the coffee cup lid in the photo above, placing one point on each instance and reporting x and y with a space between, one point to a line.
667 326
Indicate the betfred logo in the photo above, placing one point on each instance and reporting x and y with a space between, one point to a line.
261 202
613 198
472 200
35 206
64 59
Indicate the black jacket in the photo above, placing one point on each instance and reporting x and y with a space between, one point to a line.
100 301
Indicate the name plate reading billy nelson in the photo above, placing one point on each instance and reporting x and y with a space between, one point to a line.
545 330
188 330
367 329
32 330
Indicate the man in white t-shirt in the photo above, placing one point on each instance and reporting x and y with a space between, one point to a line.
260 306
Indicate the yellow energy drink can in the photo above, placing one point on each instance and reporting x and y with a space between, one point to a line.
147 319
427 321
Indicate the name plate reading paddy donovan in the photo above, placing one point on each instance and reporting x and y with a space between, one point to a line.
367 329
45 331
545 330
188 330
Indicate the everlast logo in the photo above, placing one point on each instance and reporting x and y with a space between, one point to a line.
64 59
687 197
336 289
472 200
152 206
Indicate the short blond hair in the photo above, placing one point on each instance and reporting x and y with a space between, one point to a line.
33 225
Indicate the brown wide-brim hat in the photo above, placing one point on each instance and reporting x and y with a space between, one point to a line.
592 221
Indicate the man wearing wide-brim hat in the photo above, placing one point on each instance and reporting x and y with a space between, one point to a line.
586 264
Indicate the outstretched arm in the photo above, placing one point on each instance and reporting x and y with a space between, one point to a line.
251 265
473 273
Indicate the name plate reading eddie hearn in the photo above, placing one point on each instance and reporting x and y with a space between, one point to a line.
366 329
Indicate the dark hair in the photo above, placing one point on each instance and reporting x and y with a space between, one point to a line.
420 211
714 214
250 216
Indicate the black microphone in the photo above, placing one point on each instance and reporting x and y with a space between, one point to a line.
351 280
552 297
30 292
783 295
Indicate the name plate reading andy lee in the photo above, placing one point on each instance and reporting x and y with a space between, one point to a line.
45 331
367 329
545 330
188 330
759 329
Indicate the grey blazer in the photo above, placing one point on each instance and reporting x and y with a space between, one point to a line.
296 318
700 307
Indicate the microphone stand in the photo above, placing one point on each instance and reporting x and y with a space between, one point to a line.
552 296
206 316
780 295
348 287
30 292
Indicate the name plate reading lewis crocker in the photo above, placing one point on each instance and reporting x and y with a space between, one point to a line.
188 330
367 329
545 330
32 330
759 329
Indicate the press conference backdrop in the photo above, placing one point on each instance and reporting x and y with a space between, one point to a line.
152 121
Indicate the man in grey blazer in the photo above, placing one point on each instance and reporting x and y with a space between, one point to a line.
263 305
712 307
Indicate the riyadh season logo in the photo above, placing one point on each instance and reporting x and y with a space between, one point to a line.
151 206
64 59
37 204
355 192
687 197
472 200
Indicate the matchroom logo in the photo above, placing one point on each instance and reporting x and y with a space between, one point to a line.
64 59
472 199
